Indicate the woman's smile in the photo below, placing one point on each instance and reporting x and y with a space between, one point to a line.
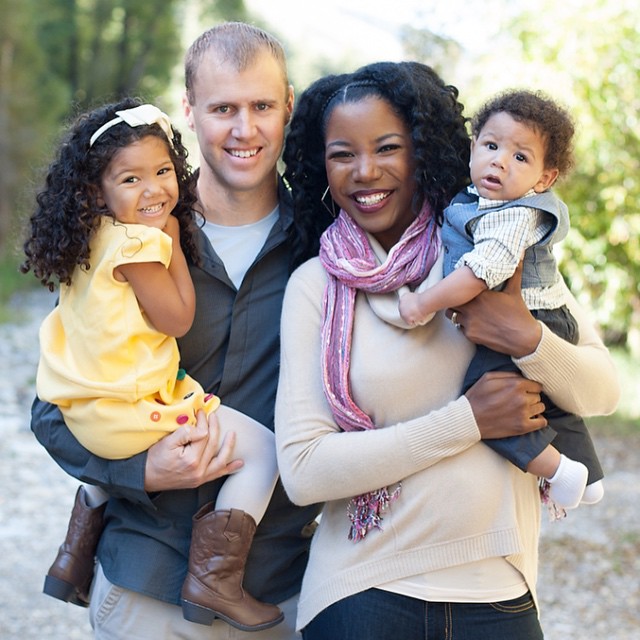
370 167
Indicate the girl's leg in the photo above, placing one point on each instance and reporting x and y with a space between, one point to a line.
250 488
69 577
222 534
95 496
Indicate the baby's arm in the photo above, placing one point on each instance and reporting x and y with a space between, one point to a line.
459 287
500 240
166 295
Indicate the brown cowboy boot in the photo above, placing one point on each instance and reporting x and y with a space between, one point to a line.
213 587
69 577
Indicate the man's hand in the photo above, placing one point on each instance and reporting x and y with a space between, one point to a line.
190 457
500 320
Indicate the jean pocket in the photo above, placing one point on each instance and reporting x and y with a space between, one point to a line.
517 605
104 599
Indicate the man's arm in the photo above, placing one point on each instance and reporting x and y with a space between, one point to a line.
120 478
184 459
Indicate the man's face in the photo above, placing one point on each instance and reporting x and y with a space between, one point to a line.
239 118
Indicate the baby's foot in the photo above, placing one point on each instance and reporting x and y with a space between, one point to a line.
593 493
567 485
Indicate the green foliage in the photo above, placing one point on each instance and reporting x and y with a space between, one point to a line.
64 56
234 10
30 105
628 369
592 49
11 280
440 52
106 49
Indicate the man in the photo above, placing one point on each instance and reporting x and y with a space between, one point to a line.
238 101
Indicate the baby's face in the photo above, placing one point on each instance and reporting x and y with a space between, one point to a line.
507 159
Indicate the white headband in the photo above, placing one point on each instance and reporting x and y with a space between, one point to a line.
144 114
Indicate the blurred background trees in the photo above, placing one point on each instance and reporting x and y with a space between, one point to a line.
594 54
64 56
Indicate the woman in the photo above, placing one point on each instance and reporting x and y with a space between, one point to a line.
425 532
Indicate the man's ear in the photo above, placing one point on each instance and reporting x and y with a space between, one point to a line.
289 105
188 112
546 180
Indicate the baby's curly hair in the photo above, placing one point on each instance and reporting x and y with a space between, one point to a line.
429 108
545 116
67 212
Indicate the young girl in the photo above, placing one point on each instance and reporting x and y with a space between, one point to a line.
521 144
114 227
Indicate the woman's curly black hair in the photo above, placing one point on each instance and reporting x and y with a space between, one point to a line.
429 108
67 212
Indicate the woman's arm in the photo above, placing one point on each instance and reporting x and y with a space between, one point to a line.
166 295
582 378
579 378
319 462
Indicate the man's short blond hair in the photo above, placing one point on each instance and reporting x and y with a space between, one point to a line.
237 43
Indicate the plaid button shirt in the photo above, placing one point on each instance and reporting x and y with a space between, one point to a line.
500 240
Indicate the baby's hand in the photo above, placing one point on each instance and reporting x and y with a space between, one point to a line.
410 310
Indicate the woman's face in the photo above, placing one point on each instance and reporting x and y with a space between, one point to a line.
370 167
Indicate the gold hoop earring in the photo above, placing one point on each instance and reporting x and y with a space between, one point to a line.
332 209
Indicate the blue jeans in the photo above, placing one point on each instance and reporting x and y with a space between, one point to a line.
381 615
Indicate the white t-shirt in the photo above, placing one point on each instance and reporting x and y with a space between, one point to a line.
239 246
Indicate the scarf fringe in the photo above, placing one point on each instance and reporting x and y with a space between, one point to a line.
554 511
365 511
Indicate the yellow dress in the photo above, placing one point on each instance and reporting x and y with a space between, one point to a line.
115 377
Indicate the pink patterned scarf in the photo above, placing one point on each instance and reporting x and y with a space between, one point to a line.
347 256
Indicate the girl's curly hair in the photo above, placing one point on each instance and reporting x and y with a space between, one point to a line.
67 213
429 108
539 112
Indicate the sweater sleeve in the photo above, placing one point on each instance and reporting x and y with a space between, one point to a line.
580 378
319 462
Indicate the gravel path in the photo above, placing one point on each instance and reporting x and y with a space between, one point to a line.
590 561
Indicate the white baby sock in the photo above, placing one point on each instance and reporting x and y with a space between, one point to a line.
593 493
568 483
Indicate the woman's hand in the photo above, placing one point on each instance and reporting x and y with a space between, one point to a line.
500 320
190 456
506 404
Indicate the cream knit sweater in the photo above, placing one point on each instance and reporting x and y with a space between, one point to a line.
460 502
